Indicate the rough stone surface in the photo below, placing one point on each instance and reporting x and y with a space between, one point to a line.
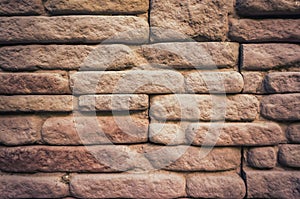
262 157
204 107
33 186
24 7
97 7
267 8
293 133
215 186
152 185
70 29
275 30
79 130
136 81
281 107
214 82
168 134
270 56
113 102
273 184
177 20
34 83
280 82
40 103
289 155
234 134
253 82
19 130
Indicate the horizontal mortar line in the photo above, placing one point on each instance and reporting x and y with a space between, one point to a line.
22 43
269 17
266 42
74 14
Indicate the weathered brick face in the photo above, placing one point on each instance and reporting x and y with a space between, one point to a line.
149 99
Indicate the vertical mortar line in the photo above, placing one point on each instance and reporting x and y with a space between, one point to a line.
240 59
243 174
149 15
149 119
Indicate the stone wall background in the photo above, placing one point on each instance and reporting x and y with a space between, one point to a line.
51 74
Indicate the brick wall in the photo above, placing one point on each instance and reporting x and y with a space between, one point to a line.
139 99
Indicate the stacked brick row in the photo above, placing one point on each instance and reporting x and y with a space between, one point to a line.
139 99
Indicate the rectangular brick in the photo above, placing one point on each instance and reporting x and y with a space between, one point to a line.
254 82
113 102
34 83
204 107
167 134
292 133
24 7
33 103
141 185
70 29
289 155
261 157
282 82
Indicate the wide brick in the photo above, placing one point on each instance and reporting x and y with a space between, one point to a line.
262 157
273 184
281 107
214 82
19 130
177 20
204 107
267 8
79 130
220 185
34 83
136 81
24 7
270 56
280 82
187 158
70 29
143 185
234 134
293 133
32 103
113 102
168 134
289 155
97 7
33 186
253 82
269 30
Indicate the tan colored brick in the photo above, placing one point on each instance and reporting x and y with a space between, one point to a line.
262 157
168 134
253 82
24 7
289 155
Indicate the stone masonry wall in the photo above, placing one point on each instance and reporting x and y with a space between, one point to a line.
139 99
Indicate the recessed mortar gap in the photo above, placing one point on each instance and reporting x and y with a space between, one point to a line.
243 174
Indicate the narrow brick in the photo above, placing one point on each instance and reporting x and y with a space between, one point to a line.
97 7
253 82
137 81
40 103
270 56
168 134
204 107
289 155
234 134
34 83
262 157
24 7
281 107
143 185
214 82
70 29
19 130
273 184
113 102
269 30
293 134
33 186
220 185
282 82
78 130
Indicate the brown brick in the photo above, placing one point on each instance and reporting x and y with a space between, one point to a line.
177 20
293 133
32 103
281 107
280 82
24 7
273 184
70 29
267 8
113 102
97 7
234 134
19 130
168 134
262 157
270 56
289 155
79 130
253 82
204 107
220 185
33 186
136 81
142 185
214 82
34 83
269 30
